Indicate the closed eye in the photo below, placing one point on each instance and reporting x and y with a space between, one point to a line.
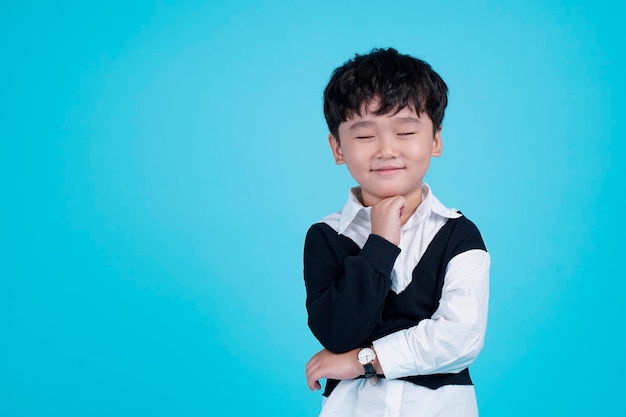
364 137
406 133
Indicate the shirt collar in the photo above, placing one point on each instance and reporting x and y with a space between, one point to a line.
351 209
430 204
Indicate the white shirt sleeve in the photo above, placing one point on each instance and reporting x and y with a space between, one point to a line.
450 340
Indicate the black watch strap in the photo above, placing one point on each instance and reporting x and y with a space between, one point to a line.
369 371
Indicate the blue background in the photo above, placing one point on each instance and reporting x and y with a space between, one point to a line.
162 161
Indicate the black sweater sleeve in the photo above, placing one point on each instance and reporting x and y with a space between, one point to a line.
346 286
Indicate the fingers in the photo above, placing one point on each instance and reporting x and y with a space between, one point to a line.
313 372
397 201
313 376
394 204
313 384
386 218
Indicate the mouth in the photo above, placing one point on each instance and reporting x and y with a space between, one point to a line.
387 171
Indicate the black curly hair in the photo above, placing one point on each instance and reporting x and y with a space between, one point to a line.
395 79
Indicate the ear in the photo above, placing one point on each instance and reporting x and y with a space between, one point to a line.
437 144
335 147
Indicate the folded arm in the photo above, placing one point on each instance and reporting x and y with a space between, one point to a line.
345 294
452 338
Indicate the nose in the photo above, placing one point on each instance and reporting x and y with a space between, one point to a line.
387 147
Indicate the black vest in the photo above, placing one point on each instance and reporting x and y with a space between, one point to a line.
420 299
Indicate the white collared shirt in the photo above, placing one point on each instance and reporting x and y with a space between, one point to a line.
430 216
446 343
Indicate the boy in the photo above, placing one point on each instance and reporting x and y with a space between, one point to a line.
397 284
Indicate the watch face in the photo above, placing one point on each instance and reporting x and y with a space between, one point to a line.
366 355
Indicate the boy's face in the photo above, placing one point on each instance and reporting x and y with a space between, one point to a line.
388 155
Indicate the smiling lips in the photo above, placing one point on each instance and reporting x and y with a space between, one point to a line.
387 171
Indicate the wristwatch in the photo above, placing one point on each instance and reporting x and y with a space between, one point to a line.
366 358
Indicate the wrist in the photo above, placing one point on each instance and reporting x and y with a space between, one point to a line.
366 358
392 238
377 367
354 361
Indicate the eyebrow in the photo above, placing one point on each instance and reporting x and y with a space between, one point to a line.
358 125
409 120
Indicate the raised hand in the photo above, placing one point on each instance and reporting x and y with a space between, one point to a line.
386 218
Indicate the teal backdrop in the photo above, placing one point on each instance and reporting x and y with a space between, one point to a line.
162 161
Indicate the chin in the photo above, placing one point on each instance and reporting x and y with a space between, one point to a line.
388 195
